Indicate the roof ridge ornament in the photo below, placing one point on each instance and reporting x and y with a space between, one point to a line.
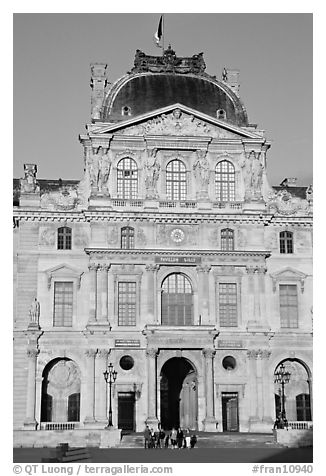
168 63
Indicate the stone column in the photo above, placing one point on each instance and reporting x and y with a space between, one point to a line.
251 294
263 320
30 421
267 390
151 420
101 387
210 421
253 411
92 292
151 277
203 298
102 293
90 409
260 397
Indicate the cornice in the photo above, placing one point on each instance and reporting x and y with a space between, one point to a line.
160 217
159 252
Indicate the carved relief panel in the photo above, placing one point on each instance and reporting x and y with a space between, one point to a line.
177 235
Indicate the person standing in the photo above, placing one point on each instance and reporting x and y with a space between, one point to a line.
187 438
193 440
173 438
147 437
179 437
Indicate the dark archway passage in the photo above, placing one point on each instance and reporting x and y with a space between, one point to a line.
178 394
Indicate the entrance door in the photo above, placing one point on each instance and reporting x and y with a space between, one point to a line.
178 394
126 411
230 412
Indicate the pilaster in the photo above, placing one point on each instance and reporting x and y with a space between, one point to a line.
30 422
101 386
90 410
210 420
203 279
152 420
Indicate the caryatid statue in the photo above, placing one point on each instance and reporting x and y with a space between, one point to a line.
105 163
28 184
252 175
34 312
99 169
201 169
152 171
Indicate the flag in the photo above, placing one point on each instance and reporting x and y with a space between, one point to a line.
159 32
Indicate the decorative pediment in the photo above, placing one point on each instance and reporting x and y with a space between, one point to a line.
284 203
63 271
288 275
176 120
64 199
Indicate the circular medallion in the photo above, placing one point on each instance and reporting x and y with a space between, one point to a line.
177 235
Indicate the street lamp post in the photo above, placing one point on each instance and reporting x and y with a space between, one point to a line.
110 376
282 377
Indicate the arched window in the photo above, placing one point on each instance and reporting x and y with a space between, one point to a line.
221 114
177 301
64 238
176 180
127 238
225 181
127 178
286 242
227 239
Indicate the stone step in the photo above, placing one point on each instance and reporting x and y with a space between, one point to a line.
213 440
75 454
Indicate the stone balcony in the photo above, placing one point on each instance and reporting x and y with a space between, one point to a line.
181 206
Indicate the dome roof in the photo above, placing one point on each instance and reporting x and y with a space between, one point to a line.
157 82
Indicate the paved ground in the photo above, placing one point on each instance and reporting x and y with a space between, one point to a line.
197 455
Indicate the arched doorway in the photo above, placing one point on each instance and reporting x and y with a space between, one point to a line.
297 392
60 392
179 402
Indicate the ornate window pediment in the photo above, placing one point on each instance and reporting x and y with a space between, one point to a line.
63 272
288 275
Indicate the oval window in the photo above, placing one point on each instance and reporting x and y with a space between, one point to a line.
126 362
229 363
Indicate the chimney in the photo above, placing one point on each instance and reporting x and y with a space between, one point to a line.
289 182
98 85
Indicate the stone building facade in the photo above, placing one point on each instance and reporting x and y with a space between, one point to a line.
173 259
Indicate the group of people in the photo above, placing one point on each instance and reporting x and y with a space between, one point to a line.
175 438
281 422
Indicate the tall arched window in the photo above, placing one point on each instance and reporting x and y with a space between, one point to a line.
177 301
176 180
225 181
227 239
127 178
286 242
64 238
127 238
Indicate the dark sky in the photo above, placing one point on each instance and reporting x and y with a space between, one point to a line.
52 54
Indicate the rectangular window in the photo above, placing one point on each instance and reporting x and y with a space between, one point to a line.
289 305
228 305
126 304
63 301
